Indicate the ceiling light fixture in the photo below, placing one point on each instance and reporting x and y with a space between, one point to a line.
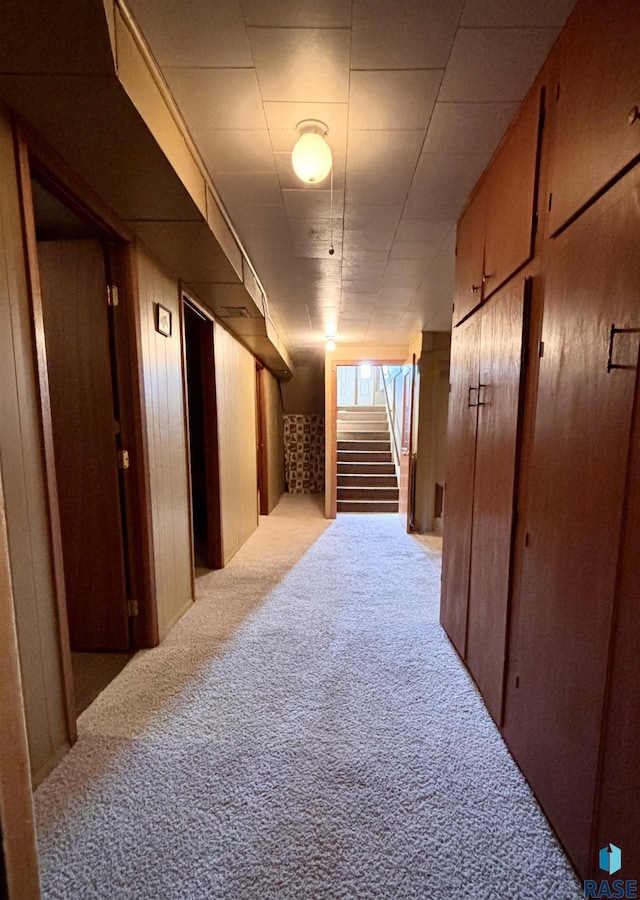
331 344
311 157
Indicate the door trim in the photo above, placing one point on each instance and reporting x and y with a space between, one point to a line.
37 159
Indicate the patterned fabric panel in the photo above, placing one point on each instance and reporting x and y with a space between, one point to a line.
304 454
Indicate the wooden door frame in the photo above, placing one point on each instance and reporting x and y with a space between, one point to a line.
215 548
262 444
16 807
331 420
35 158
410 472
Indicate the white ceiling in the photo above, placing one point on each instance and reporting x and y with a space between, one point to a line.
416 95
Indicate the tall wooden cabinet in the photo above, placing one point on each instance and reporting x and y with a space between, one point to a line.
487 355
541 567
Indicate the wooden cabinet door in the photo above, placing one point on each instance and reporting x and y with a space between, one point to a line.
470 257
501 349
458 504
619 801
512 197
571 524
596 135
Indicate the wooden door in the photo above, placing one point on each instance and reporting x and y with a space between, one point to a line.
406 446
597 118
619 791
81 390
364 386
569 537
500 370
346 386
458 498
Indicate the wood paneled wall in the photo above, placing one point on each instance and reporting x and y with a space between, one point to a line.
165 423
21 459
236 396
274 438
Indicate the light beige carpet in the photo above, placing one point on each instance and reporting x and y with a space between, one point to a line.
306 731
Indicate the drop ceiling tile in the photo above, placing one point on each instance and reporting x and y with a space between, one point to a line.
353 272
372 190
301 64
448 202
290 181
320 270
404 34
262 215
258 241
408 280
311 204
468 127
494 64
235 151
516 13
217 98
435 172
422 250
372 218
248 188
283 13
392 99
402 267
368 240
352 290
424 229
373 258
193 40
373 152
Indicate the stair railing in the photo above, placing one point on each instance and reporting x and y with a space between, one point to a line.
391 420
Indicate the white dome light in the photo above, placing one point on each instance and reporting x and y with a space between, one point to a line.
311 156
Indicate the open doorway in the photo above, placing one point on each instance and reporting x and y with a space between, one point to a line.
367 453
202 424
86 360
78 323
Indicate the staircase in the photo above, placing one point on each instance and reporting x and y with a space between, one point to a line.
366 474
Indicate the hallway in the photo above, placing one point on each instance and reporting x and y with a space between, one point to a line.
305 731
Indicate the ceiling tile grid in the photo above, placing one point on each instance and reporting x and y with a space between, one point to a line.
416 95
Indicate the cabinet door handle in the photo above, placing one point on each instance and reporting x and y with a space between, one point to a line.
481 402
634 115
469 403
475 288
485 277
613 331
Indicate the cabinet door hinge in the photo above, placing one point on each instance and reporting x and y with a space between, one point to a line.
123 459
541 349
112 295
132 608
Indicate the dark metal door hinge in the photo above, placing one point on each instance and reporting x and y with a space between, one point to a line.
123 459
112 295
132 608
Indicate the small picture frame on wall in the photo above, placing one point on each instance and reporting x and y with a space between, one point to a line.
163 320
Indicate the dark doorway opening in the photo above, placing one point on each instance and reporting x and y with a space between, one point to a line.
203 437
